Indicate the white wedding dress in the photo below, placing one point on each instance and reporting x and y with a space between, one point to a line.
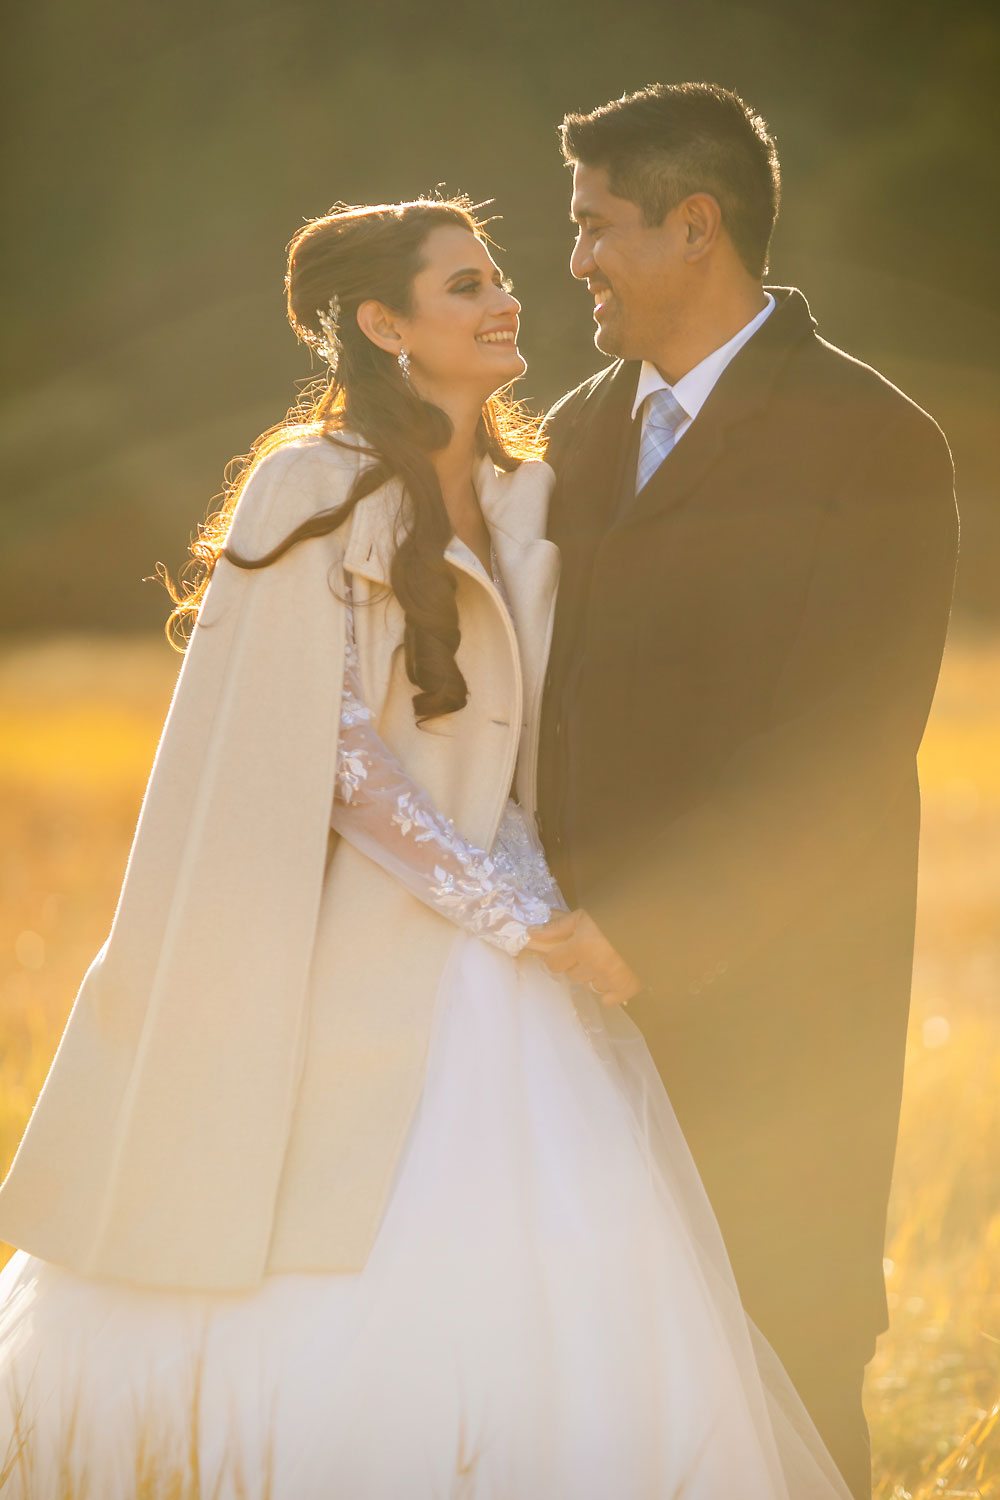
547 1314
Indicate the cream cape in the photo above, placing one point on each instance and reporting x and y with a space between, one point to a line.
243 1059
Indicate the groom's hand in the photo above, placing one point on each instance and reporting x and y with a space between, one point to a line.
571 943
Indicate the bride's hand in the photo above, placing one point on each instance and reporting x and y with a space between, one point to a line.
571 943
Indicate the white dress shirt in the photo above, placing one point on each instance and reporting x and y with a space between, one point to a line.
694 388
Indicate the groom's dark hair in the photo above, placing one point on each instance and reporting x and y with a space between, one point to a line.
669 140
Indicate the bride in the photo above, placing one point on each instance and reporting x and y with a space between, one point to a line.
334 1187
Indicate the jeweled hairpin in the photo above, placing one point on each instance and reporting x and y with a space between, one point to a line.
328 318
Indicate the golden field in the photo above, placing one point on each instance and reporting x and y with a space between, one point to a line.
79 719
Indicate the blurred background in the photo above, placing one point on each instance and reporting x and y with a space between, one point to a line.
159 154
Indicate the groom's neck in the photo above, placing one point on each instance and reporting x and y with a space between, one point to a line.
704 324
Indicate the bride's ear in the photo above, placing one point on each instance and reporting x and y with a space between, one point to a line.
378 323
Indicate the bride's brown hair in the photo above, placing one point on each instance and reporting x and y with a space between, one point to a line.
353 255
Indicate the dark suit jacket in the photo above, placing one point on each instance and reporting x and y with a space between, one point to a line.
743 661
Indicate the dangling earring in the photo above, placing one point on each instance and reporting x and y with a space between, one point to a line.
403 361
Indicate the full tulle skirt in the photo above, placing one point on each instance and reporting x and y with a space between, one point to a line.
547 1312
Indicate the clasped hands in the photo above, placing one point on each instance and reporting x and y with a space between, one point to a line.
571 943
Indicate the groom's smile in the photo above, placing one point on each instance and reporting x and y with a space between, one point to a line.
630 267
602 295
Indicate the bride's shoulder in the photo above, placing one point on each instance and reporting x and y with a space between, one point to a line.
310 459
290 481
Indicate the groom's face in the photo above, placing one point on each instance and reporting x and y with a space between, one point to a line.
633 270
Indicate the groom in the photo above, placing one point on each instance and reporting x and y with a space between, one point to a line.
758 536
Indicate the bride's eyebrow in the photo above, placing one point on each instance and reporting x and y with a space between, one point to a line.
469 271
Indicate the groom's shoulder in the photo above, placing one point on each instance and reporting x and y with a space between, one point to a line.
561 420
593 386
858 397
830 394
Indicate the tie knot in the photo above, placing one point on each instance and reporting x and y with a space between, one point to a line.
664 410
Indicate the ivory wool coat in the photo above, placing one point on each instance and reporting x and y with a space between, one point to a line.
247 1050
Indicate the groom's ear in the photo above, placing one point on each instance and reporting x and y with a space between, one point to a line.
378 323
701 217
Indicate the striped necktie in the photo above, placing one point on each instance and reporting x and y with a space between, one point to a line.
664 414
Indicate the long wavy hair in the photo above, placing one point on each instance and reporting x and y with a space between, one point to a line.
353 255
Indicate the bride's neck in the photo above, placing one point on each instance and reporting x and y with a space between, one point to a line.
455 466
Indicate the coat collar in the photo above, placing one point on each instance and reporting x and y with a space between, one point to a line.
514 507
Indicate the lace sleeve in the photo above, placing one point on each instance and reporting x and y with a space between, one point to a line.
390 818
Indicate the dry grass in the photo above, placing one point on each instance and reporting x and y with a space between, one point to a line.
78 724
165 1458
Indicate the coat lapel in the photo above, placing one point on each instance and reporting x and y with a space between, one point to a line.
682 469
590 474
742 391
515 508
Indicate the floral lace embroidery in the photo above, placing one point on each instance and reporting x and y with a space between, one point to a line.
378 808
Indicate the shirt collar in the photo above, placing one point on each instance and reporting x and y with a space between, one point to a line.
694 388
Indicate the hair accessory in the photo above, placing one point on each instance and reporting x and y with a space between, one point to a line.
403 361
328 318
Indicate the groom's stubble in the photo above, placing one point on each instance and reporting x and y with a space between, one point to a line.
657 296
632 269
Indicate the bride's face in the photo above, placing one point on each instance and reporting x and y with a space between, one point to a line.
461 332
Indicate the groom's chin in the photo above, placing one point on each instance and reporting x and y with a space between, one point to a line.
607 341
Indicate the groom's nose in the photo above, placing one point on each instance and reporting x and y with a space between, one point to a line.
581 262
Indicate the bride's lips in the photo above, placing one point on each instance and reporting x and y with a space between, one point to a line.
504 337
